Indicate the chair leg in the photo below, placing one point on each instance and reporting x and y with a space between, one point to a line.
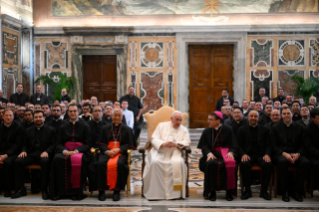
270 185
311 184
241 183
275 184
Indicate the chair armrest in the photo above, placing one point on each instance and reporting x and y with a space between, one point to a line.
141 150
187 149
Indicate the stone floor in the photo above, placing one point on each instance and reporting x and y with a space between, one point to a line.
194 203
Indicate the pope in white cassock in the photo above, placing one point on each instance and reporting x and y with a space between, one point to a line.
165 170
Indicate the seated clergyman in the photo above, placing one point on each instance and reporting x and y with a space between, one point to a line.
109 169
219 147
164 162
288 149
254 147
68 172
38 147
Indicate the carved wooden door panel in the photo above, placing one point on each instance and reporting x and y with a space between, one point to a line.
210 71
99 77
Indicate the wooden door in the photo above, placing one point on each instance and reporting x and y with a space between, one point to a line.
210 71
99 77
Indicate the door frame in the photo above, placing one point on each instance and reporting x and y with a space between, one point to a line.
183 40
120 50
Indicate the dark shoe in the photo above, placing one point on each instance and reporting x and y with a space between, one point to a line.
285 197
116 195
7 194
246 195
265 195
45 194
76 198
297 197
55 198
20 193
101 196
229 196
212 196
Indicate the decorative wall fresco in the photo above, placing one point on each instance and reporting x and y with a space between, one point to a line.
177 7
152 90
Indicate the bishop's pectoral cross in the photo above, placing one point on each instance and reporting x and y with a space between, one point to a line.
115 144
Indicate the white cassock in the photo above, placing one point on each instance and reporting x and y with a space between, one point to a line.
165 170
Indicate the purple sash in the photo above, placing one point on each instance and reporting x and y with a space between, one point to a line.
76 163
230 166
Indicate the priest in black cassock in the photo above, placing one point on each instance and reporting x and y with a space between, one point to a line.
219 147
311 138
288 147
68 166
38 147
95 125
254 147
107 117
11 139
109 169
56 121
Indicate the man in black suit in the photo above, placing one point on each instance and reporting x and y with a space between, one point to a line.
296 111
305 116
311 138
262 92
254 147
65 96
238 120
46 108
38 147
220 101
95 125
19 98
56 121
288 149
281 96
39 97
11 139
263 120
1 97
28 119
275 117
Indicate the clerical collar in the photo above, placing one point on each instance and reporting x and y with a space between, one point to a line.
7 125
253 126
39 128
97 121
288 125
218 127
57 119
226 97
73 122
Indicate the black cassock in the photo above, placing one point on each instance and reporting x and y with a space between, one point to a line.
61 173
215 170
98 166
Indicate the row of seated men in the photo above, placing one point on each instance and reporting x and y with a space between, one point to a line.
286 144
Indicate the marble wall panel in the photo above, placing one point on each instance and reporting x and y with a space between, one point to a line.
10 49
261 53
314 52
290 85
291 52
259 79
170 89
37 60
26 49
10 80
133 56
26 82
152 54
152 90
56 55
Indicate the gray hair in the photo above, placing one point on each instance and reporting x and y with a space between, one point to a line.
176 112
117 109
